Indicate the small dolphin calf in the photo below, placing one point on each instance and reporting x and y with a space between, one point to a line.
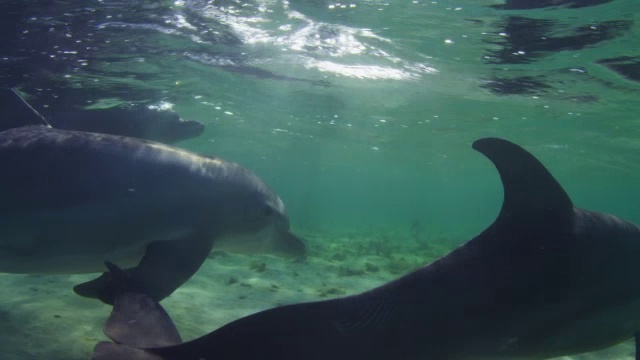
546 279
71 200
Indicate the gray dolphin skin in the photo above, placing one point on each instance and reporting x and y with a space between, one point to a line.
71 200
546 279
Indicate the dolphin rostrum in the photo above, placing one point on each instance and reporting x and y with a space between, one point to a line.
546 279
71 200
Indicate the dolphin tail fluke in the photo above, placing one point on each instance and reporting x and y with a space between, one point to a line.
16 112
136 322
164 267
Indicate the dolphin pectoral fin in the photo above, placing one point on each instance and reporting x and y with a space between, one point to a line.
98 288
530 191
136 322
287 244
164 267
136 319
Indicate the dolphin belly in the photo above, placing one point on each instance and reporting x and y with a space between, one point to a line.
80 239
583 331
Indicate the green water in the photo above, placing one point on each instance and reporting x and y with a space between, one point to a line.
376 138
365 152
379 131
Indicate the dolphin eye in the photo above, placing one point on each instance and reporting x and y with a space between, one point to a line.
268 210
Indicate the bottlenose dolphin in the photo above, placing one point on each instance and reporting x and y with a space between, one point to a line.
546 279
71 200
137 121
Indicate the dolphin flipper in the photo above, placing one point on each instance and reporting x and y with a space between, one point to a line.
136 319
164 267
136 322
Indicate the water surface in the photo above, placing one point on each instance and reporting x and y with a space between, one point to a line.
360 114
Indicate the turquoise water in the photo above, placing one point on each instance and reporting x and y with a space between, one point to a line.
387 140
367 110
361 114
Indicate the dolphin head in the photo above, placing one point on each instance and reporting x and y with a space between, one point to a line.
166 126
256 220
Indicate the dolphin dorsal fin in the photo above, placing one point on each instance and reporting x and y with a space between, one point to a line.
16 111
531 193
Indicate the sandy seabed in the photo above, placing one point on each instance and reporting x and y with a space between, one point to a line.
41 317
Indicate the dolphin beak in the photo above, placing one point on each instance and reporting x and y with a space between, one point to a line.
289 245
286 243
190 128
282 219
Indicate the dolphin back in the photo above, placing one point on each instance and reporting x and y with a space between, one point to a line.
45 161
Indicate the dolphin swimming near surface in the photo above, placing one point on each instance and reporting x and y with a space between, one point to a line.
72 199
137 121
546 279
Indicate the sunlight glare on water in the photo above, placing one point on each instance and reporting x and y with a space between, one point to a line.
360 114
